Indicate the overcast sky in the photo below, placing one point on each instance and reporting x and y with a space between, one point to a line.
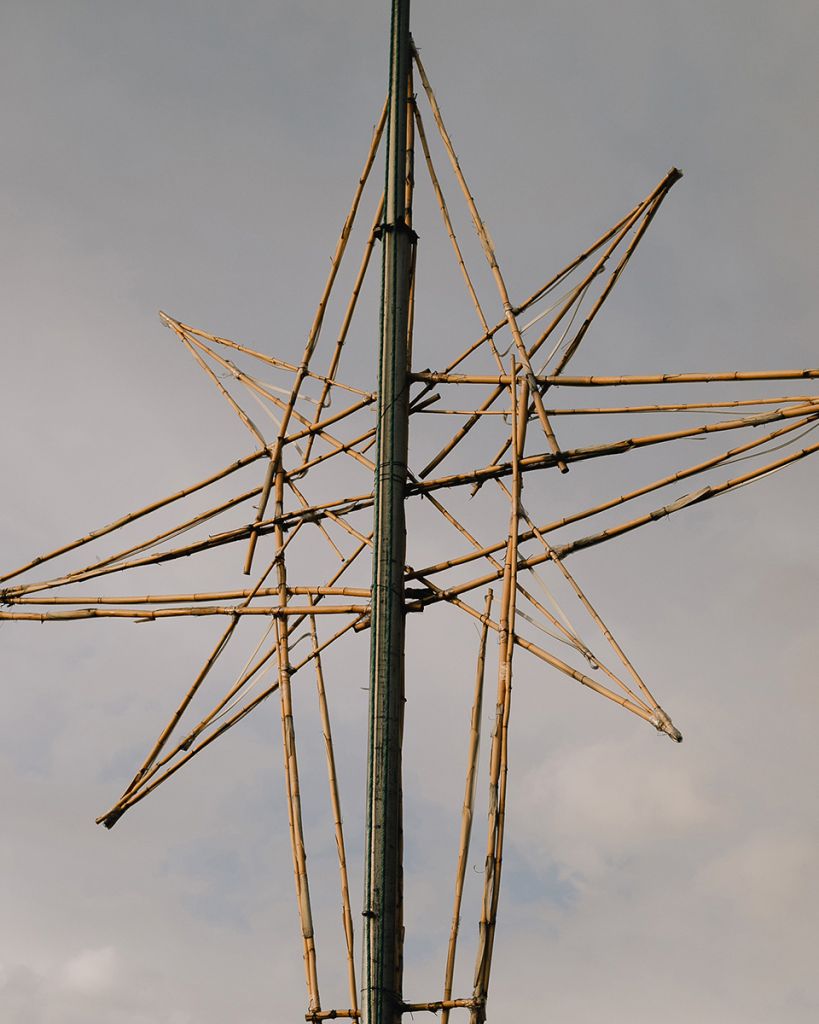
199 158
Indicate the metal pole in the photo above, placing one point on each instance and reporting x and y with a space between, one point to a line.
383 898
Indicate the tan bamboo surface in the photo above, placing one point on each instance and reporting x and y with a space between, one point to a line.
441 1004
133 516
313 336
439 196
219 647
491 258
660 193
282 438
611 410
291 766
342 506
344 330
185 745
468 807
499 752
612 448
600 381
661 724
335 803
182 612
332 1015
576 295
278 364
593 510
222 595
706 493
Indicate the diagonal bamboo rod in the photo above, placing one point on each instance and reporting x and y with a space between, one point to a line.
437 594
313 336
499 755
439 196
468 808
291 767
273 361
666 481
324 397
335 803
489 252
133 516
533 462
211 660
185 745
284 438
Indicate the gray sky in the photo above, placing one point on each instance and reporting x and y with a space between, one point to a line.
199 158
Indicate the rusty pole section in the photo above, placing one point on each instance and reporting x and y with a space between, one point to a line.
382 1001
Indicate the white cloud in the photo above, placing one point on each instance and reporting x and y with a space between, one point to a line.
91 971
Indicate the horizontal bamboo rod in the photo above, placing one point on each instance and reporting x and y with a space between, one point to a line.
561 551
666 481
533 462
224 595
434 377
165 613
613 410
441 1004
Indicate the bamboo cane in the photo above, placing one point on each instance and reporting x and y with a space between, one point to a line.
335 802
575 517
313 336
468 807
133 516
489 252
348 316
291 768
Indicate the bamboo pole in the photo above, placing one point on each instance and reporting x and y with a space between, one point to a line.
182 612
313 336
133 516
605 506
499 755
437 594
291 767
335 803
468 807
110 818
489 252
348 315
446 377
611 448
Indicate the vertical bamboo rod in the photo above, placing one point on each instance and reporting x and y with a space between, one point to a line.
335 802
468 807
291 768
499 758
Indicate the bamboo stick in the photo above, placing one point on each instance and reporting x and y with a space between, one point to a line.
446 377
499 758
451 593
291 767
312 338
192 610
440 1004
113 815
611 448
335 803
489 252
468 807
348 316
439 195
133 516
575 517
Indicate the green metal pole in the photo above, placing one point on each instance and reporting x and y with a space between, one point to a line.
383 898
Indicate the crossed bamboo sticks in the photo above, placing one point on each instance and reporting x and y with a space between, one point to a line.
315 436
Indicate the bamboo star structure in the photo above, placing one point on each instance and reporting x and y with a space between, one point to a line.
508 393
